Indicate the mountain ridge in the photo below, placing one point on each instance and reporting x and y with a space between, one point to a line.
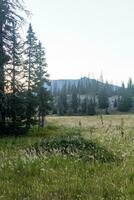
58 84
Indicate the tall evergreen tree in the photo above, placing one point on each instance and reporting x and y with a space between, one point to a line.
30 76
130 87
91 107
8 16
84 106
74 102
103 99
62 101
125 103
41 83
14 78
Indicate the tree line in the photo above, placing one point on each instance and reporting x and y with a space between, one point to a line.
24 98
89 97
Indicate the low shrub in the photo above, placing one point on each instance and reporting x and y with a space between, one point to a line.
73 146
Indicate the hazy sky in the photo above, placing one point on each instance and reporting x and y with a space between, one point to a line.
84 37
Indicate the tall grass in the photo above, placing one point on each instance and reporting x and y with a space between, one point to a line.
31 168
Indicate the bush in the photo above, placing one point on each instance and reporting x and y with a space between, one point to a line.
74 146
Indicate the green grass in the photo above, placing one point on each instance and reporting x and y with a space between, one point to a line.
68 162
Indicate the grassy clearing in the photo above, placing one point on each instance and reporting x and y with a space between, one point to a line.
64 161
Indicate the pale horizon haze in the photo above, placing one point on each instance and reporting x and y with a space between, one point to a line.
86 37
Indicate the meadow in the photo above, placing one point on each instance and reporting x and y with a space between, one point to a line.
73 158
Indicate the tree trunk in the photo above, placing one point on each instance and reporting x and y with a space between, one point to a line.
2 58
42 120
13 80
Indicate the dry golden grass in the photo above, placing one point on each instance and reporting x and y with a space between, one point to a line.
88 121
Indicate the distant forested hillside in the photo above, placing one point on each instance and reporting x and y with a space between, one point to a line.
83 84
87 96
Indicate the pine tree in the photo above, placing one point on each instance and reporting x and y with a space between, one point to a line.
122 90
41 83
91 107
30 76
62 101
115 103
8 16
84 106
74 102
130 87
54 89
15 75
125 103
103 99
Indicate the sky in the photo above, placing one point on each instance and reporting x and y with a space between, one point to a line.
86 37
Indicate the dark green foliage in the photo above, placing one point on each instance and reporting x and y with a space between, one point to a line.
62 102
125 100
41 82
115 103
131 177
84 106
91 107
86 97
22 72
14 81
30 58
30 68
74 146
125 103
74 102
8 18
88 107
36 79
81 97
16 109
103 99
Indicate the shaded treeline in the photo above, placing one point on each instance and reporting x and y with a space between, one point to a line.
89 97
